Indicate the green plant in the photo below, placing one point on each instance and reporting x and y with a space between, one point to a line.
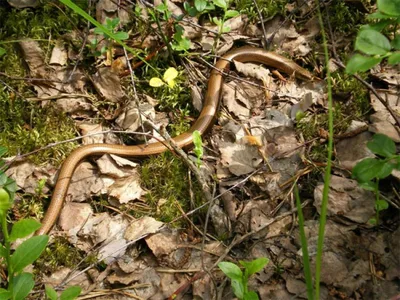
228 13
20 283
239 279
111 26
199 7
370 171
71 292
373 43
198 147
178 42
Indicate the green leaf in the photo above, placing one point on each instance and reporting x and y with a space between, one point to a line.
3 251
28 252
226 29
394 58
231 13
389 7
3 150
200 5
372 42
254 266
367 169
216 21
4 294
381 205
369 186
238 288
220 3
121 35
162 7
395 43
23 228
382 145
3 178
5 202
372 221
361 63
51 293
192 11
23 284
198 143
377 26
2 51
71 293
378 15
112 23
198 146
231 270
251 296
210 6
385 170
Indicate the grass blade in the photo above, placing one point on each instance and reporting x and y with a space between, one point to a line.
304 248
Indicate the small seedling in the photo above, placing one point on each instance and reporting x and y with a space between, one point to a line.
111 26
71 292
228 13
369 171
373 43
198 147
239 279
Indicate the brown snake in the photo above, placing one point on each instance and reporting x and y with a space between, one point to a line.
204 122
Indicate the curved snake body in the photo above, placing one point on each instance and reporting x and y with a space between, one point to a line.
202 124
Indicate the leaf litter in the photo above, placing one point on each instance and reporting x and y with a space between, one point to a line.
256 151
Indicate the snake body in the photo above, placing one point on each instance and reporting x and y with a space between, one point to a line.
202 124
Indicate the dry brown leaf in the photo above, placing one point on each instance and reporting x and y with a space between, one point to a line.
111 9
88 128
73 217
58 277
84 181
142 227
130 119
253 70
358 145
235 102
240 159
115 166
126 189
59 55
108 85
347 199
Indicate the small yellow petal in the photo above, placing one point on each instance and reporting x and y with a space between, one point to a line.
171 83
170 74
156 82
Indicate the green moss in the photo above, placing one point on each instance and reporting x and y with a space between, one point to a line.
49 18
60 253
344 18
268 8
26 127
358 104
166 179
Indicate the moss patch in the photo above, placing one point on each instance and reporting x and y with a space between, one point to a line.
166 179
